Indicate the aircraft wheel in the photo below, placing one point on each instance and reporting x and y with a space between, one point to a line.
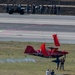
10 12
22 12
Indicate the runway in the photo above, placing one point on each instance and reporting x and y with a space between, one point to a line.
37 28
37 19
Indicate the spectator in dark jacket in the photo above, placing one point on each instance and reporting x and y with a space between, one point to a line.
62 61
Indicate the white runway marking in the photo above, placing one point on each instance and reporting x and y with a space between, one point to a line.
32 35
37 21
14 60
2 30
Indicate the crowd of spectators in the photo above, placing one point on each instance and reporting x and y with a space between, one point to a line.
42 9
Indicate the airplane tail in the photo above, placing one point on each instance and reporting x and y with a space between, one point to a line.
56 41
43 50
29 50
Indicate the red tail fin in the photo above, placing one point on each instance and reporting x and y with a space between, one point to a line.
29 50
43 49
56 41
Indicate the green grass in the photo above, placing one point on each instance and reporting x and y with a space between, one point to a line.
16 50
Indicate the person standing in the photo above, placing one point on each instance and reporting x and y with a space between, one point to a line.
52 72
47 72
62 61
58 62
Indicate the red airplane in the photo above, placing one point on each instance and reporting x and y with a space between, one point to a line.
50 52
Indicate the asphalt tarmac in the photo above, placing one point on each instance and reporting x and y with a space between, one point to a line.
37 28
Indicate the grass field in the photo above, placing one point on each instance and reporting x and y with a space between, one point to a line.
15 50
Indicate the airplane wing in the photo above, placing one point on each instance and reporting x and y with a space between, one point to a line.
56 41
43 50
